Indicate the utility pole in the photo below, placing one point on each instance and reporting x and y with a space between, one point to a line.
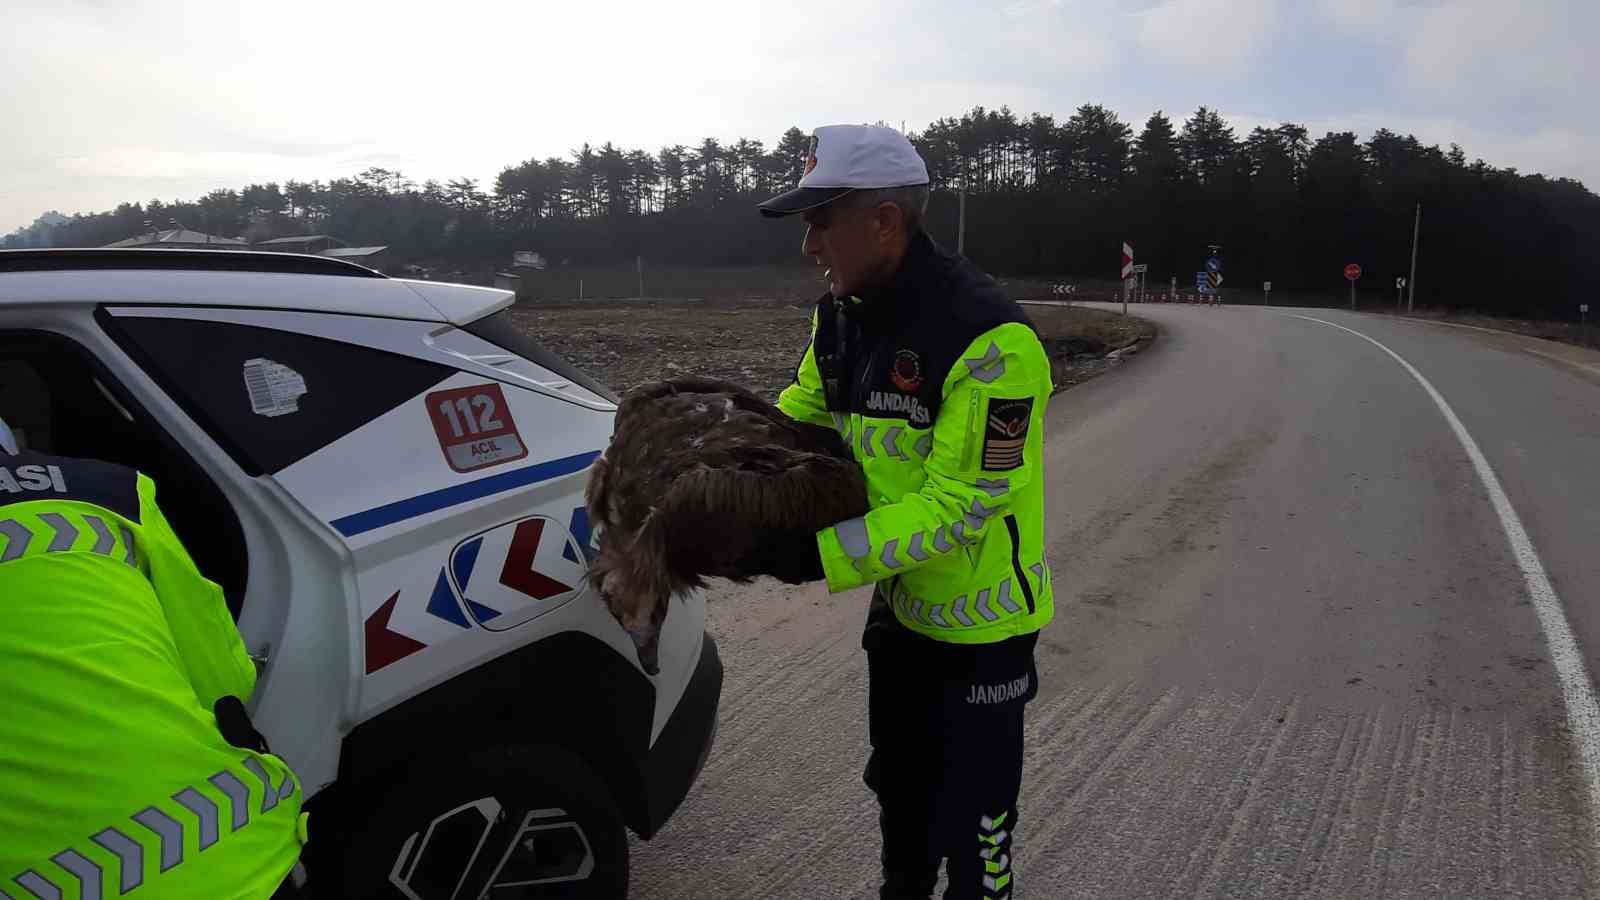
961 228
1416 230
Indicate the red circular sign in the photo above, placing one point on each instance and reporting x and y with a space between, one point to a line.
1352 271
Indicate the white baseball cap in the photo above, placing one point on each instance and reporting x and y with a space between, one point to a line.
845 158
8 441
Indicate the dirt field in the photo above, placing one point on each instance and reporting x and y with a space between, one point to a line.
757 343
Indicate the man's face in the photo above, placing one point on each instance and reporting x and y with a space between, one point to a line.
854 245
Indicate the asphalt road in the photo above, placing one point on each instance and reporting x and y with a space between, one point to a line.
1293 654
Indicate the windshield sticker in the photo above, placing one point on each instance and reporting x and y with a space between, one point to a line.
274 388
474 427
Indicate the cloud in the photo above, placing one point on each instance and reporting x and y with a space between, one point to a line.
1488 52
113 101
156 163
1207 32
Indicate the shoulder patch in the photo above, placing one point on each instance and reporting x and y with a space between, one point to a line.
1005 432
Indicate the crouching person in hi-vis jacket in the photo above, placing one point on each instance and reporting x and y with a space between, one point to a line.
127 762
938 384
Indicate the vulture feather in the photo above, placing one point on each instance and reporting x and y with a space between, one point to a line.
700 475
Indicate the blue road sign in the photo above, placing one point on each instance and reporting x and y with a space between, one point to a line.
1213 265
1202 282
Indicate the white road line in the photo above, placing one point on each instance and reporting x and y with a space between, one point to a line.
1583 714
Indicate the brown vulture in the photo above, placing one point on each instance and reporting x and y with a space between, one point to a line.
705 479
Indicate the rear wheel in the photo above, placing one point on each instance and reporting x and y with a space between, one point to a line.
502 824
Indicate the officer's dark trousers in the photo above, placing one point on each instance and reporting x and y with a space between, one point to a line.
945 722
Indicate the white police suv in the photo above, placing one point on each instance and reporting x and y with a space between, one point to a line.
386 477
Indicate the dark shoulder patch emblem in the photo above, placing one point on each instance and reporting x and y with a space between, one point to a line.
36 476
1005 433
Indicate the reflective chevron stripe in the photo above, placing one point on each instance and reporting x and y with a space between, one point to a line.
1004 597
888 557
66 532
987 603
238 797
18 537
205 810
866 441
170 831
63 533
269 794
996 487
104 540
171 834
130 857
959 532
959 610
132 556
915 550
990 367
38 886
941 541
90 878
983 607
995 850
924 445
891 442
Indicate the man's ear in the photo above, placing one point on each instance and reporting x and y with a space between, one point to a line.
888 220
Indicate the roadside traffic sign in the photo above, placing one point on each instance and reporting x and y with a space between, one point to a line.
1266 286
1140 269
1127 260
1213 265
1352 271
1400 282
1216 279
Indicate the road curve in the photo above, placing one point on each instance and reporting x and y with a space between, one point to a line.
1293 654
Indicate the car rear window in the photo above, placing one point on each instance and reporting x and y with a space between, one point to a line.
268 397
500 330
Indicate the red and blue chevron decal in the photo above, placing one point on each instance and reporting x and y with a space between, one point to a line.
517 571
497 579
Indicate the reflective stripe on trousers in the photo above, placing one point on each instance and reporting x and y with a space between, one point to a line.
171 832
994 843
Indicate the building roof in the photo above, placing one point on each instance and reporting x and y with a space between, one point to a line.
353 252
232 278
177 236
300 239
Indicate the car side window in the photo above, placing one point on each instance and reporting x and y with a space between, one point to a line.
61 401
270 398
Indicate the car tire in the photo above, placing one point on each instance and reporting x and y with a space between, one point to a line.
519 823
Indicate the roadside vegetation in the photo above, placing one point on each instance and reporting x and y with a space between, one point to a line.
1045 197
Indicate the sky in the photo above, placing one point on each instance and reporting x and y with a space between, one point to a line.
122 100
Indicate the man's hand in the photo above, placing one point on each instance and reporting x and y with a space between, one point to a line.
789 555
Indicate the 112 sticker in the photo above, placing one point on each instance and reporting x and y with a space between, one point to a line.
474 427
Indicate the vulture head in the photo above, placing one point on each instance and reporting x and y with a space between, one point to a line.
700 476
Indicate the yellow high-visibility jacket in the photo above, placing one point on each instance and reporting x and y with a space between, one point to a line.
938 384
113 651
